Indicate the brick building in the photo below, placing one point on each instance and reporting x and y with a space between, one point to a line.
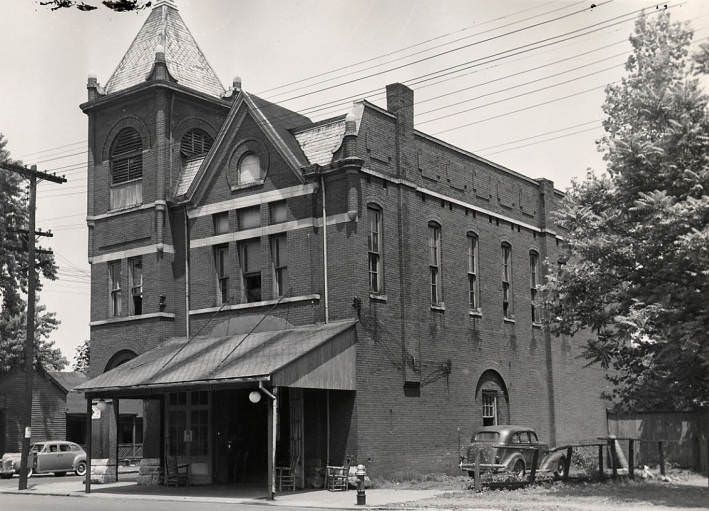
380 283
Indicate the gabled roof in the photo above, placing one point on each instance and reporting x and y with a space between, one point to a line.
276 123
67 379
185 61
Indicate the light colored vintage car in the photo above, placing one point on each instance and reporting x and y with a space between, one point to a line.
507 448
57 456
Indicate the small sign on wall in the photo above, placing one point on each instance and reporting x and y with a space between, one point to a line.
28 432
187 436
95 412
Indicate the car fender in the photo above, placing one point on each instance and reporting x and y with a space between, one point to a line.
551 460
78 459
512 459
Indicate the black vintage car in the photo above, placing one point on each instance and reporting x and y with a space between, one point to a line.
507 448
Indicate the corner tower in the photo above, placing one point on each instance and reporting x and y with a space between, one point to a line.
162 107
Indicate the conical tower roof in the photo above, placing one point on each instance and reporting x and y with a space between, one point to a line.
165 29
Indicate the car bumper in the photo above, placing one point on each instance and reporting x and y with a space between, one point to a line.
484 467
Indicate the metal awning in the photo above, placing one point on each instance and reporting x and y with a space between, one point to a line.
312 356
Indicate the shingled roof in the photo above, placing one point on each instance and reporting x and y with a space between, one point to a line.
185 61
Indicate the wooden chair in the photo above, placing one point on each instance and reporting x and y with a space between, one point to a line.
285 477
176 474
336 478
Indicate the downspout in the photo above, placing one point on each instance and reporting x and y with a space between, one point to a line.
187 276
324 247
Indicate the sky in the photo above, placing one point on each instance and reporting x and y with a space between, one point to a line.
517 82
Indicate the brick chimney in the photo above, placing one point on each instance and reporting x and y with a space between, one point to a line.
400 102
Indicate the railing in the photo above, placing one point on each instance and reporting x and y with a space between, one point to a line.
125 195
130 451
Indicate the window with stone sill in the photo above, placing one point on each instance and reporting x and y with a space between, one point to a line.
473 285
279 260
221 267
507 301
126 166
135 277
434 262
374 249
534 287
251 259
114 286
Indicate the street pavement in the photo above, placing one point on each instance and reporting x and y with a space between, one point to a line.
13 502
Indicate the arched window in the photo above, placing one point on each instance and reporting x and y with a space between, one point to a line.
493 398
195 144
507 303
249 169
126 156
434 262
119 358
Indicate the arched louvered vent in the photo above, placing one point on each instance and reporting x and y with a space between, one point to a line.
195 143
126 156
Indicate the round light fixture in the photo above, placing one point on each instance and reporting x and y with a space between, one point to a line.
254 396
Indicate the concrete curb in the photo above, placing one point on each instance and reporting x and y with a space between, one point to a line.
203 500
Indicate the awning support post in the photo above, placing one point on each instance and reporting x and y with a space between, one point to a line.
89 420
116 411
272 424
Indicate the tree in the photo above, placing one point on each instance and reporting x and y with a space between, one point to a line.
82 356
13 279
114 5
637 253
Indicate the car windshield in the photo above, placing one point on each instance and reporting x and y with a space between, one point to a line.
486 436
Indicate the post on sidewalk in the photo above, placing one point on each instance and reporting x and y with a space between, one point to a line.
89 420
631 458
661 452
478 484
535 460
116 411
601 473
567 462
612 457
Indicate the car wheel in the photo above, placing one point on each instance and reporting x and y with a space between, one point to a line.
560 467
59 474
519 468
81 468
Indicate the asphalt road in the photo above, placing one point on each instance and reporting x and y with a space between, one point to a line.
42 502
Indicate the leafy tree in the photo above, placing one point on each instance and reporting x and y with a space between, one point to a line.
114 5
637 259
13 279
82 356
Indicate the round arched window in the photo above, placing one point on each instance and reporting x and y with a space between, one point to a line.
249 169
126 156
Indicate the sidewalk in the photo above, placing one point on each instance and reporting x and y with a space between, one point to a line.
376 498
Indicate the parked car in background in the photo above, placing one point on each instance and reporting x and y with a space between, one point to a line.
507 448
58 457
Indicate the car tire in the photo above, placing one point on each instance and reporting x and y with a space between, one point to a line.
59 474
80 468
519 468
559 472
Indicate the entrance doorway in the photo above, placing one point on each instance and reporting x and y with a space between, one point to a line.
240 438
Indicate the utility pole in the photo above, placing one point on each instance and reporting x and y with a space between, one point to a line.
28 352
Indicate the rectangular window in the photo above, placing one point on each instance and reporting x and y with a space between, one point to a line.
251 260
489 408
507 281
279 212
374 247
135 277
114 286
221 222
533 287
434 246
279 259
249 218
473 293
221 270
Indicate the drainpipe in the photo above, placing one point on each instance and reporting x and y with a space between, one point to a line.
187 276
324 247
